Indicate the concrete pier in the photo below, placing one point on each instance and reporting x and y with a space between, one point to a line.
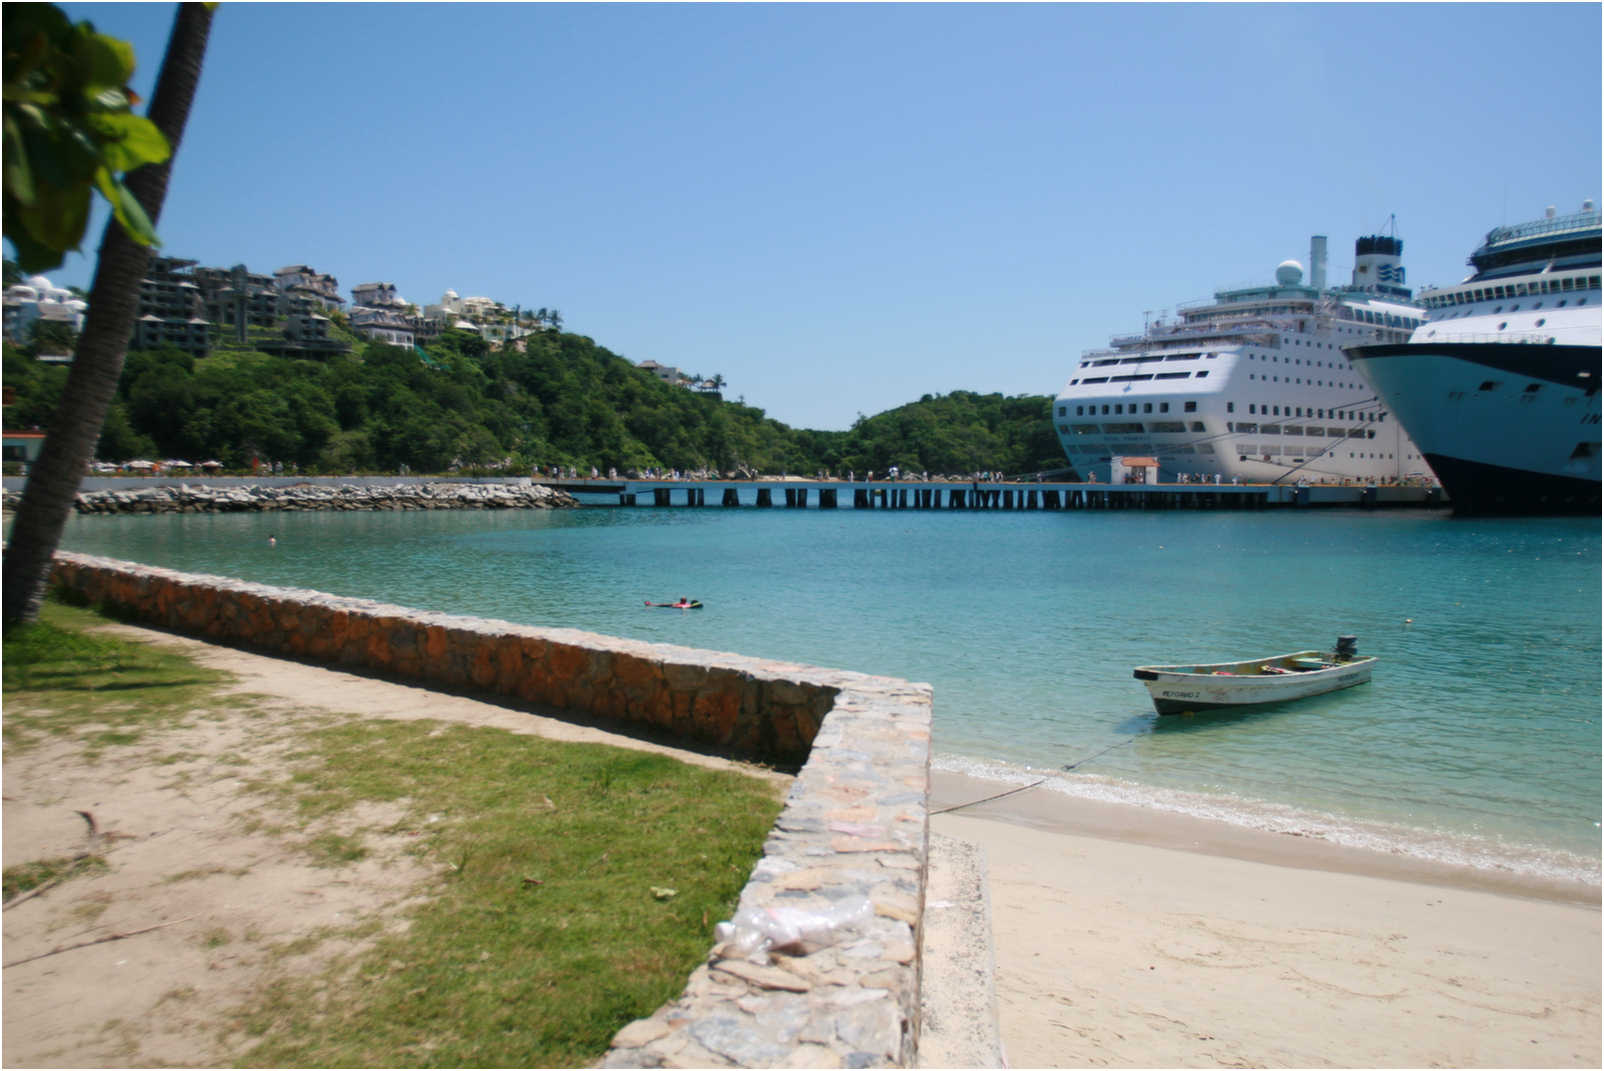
1052 498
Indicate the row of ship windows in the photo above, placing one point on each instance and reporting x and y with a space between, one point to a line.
1137 377
1150 358
1260 409
1147 359
1120 407
1513 290
1283 458
1096 448
1493 384
1386 319
1176 427
1513 308
1310 382
1158 427
1294 360
1364 316
1249 452
1254 408
1297 429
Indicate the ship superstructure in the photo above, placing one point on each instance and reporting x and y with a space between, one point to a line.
1252 386
1501 386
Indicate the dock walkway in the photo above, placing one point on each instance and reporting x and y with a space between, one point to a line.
988 497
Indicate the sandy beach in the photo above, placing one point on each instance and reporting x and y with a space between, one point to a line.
1122 937
1130 938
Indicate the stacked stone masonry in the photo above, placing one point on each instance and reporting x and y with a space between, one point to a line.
854 828
202 498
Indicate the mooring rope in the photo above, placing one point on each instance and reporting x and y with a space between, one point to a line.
1101 753
988 799
1034 784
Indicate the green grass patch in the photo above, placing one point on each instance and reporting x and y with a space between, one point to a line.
60 679
543 935
25 877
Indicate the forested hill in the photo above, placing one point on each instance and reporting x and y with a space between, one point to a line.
461 405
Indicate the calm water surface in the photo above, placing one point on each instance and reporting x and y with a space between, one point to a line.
1477 741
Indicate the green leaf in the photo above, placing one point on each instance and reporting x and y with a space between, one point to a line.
32 255
18 175
103 61
69 130
58 216
130 213
130 141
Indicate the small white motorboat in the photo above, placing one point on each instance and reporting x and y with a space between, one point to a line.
1214 686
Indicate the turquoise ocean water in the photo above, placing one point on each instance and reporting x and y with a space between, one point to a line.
1477 742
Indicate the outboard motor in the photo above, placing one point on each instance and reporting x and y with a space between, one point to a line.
1347 648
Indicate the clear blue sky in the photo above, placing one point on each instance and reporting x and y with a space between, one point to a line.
841 207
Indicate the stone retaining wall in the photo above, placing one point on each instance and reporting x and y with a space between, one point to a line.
854 829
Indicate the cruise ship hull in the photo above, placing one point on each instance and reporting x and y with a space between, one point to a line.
1508 428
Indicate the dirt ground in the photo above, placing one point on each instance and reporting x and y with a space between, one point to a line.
145 963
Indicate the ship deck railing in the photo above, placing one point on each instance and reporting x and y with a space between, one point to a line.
1555 225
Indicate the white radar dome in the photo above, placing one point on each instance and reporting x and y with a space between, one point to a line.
1288 273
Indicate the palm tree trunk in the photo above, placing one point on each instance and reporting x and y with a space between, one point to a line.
69 444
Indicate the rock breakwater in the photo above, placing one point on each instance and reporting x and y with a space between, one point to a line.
201 498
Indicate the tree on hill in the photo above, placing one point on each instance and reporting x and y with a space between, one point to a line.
960 432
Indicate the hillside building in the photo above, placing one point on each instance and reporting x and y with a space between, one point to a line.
320 291
36 300
171 310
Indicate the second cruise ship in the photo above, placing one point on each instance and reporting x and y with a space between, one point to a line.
1501 386
1252 386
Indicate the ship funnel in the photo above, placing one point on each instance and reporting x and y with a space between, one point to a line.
1548 213
1317 261
1378 265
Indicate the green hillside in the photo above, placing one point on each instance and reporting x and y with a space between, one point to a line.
461 405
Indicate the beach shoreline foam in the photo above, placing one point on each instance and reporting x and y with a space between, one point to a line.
1101 806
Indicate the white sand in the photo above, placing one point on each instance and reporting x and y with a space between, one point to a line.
1130 938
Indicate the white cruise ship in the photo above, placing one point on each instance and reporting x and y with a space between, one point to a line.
1501 386
1252 386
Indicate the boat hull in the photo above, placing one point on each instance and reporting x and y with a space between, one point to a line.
1221 686
1508 428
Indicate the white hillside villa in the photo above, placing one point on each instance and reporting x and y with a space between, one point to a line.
36 299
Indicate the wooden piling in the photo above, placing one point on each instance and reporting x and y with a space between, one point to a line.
765 497
731 497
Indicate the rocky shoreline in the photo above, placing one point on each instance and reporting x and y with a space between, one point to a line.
200 498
